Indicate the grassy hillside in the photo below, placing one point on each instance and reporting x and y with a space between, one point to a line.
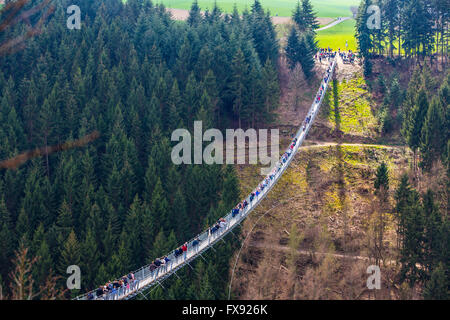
354 115
336 36
315 241
324 8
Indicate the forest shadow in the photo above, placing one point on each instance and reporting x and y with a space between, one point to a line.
340 179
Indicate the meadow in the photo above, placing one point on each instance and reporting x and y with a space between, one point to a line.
336 36
282 8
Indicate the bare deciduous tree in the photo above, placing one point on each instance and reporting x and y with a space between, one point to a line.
16 12
22 282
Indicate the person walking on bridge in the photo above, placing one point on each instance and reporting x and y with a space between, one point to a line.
184 248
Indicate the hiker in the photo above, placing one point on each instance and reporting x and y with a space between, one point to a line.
184 248
167 260
99 292
195 243
113 292
163 264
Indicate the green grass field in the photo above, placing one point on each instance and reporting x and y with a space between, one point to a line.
336 36
282 8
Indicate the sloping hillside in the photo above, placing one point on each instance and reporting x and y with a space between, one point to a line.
313 237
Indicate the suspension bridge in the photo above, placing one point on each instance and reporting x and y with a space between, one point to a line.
144 278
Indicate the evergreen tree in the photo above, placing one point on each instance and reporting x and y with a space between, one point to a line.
412 246
159 246
363 33
70 255
391 12
230 188
432 237
309 17
416 120
432 137
292 49
437 287
418 39
90 262
237 86
42 270
7 241
382 177
297 16
306 58
195 16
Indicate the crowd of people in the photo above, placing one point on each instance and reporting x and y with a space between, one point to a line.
328 54
325 53
117 287
347 57
123 285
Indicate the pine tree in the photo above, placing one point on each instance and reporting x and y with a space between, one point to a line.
271 88
297 16
160 207
90 261
412 246
159 246
44 265
237 86
64 222
120 261
179 214
432 236
391 12
231 192
309 17
416 120
437 287
382 177
7 241
418 39
206 292
306 58
292 49
70 254
195 16
102 275
46 123
363 33
432 137
23 229
171 120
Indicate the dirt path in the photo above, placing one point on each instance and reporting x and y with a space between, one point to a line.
368 145
309 252
333 23
305 252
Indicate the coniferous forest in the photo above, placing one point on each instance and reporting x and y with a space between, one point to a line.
131 75
87 178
